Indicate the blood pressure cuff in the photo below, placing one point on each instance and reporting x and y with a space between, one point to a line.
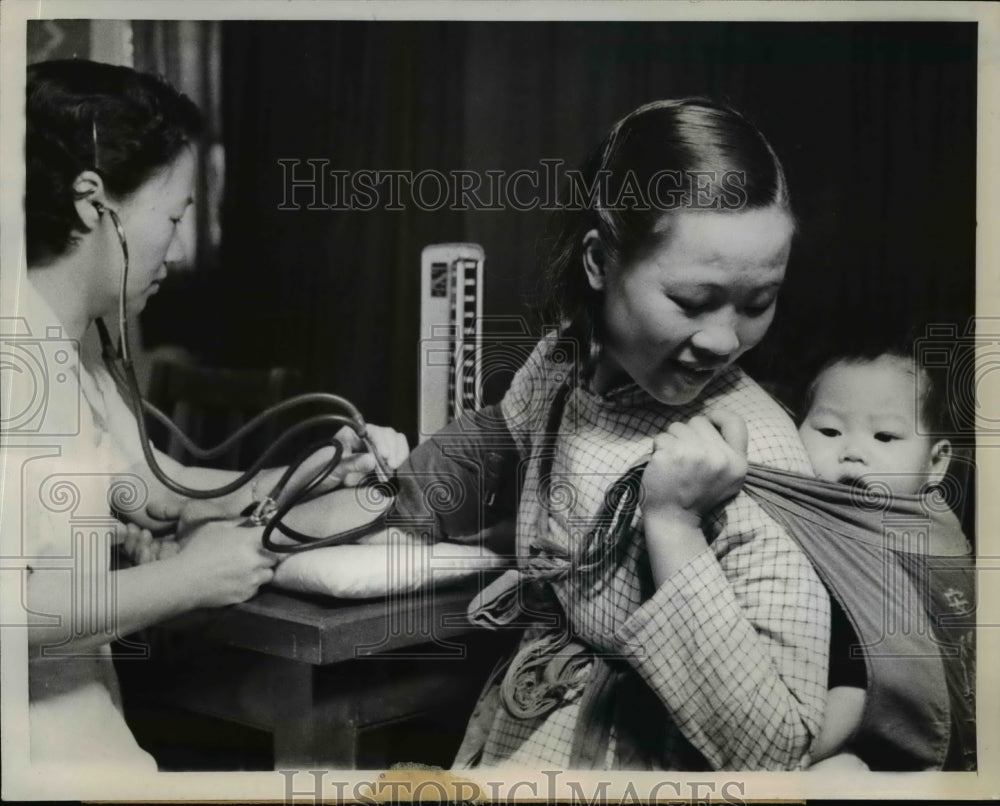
462 481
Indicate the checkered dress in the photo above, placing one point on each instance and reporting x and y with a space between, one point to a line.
734 644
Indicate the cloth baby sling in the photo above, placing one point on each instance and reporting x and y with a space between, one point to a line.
902 575
900 570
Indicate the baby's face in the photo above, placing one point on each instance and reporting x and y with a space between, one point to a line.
863 424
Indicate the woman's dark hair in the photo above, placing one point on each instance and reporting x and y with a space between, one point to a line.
84 115
687 154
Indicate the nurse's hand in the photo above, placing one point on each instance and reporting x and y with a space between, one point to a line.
224 563
695 466
357 462
141 547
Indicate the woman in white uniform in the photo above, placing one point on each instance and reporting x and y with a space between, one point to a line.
102 138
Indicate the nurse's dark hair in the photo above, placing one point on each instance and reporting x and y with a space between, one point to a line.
666 156
83 115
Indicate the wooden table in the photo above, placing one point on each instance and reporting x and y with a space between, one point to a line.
319 674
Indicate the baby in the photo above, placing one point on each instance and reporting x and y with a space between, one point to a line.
868 419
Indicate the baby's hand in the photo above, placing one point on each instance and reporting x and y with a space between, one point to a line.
695 466
841 763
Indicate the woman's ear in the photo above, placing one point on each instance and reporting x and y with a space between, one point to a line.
940 460
90 198
594 260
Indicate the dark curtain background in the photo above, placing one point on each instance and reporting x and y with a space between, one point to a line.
331 293
188 53
875 124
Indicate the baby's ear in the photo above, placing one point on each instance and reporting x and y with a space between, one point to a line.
940 460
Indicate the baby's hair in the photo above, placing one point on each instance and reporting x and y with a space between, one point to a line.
934 411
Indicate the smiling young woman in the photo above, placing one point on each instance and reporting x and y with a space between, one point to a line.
692 304
701 640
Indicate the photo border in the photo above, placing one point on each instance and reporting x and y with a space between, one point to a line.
20 781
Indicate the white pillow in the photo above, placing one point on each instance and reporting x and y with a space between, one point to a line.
392 560
399 564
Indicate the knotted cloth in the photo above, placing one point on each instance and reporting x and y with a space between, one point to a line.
899 567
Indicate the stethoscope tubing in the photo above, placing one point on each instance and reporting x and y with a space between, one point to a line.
119 364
